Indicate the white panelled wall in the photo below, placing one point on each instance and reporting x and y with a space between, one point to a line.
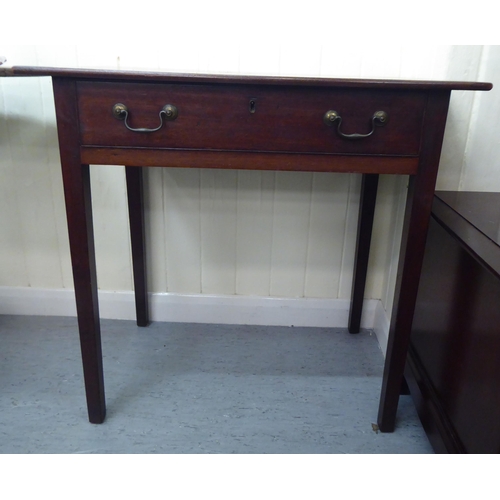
225 236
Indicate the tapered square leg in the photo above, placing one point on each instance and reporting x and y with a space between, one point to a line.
136 219
76 180
85 280
365 225
416 222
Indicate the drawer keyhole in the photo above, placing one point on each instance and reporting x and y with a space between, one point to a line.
252 104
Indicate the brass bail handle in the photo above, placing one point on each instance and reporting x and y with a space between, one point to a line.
379 119
168 113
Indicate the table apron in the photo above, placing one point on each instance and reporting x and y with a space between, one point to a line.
246 160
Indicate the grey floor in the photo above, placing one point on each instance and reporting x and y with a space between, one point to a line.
192 388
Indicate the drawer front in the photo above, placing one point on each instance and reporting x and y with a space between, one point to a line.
222 117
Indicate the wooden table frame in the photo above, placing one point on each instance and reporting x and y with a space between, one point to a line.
75 119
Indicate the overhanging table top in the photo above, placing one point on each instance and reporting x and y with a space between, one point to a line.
127 75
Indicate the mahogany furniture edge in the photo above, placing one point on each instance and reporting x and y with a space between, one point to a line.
480 245
125 75
248 160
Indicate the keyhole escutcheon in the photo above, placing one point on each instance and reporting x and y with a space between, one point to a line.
252 105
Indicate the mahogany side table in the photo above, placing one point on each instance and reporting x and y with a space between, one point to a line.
139 119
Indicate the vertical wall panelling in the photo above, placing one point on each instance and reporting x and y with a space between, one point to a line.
292 205
182 217
154 223
424 62
481 170
218 231
13 260
398 195
56 186
29 178
349 236
382 234
327 222
463 64
254 232
47 56
111 228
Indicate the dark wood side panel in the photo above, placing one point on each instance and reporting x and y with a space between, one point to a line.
481 210
219 117
455 344
249 160
437 425
483 246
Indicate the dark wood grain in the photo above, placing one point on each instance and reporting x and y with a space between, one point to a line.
455 341
416 222
76 179
435 422
218 118
481 210
151 76
478 225
249 160
364 234
136 219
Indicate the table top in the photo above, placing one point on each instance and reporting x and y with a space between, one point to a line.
126 75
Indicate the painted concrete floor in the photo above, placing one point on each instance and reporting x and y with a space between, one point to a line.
195 388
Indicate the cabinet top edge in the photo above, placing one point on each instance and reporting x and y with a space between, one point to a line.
480 210
149 76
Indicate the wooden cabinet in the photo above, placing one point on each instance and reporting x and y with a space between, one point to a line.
453 366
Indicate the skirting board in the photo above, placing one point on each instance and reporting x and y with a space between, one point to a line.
227 309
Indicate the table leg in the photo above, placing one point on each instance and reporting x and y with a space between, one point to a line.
416 222
136 218
81 240
76 181
365 224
